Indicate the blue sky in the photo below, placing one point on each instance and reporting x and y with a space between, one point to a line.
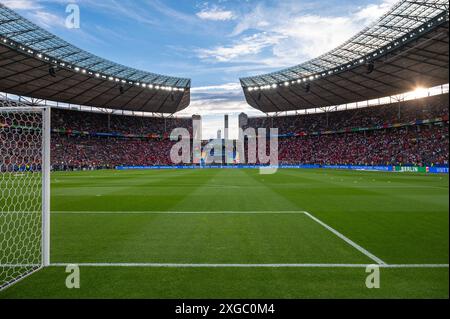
212 42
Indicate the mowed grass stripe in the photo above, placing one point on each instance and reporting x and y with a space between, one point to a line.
141 192
232 283
401 218
341 236
393 227
397 226
196 238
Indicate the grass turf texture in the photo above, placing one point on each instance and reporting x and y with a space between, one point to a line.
400 218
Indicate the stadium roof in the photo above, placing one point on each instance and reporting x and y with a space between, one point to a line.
405 49
38 64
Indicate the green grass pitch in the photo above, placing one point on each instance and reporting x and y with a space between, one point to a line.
133 220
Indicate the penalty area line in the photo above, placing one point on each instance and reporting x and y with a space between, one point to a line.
347 240
169 265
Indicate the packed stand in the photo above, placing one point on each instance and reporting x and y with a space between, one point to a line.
114 123
403 112
425 144
416 145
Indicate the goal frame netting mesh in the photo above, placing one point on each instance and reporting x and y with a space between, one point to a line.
24 190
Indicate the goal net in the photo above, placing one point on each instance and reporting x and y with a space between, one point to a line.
24 191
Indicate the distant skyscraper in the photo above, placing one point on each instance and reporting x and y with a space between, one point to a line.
197 127
226 135
243 120
219 134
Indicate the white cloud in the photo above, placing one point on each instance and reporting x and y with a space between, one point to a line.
46 19
279 37
227 87
215 14
20 4
36 13
372 12
228 91
212 111
285 35
246 46
227 98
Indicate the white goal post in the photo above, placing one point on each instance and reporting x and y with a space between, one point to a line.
24 190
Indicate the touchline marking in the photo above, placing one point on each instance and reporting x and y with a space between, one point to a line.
169 265
179 213
347 240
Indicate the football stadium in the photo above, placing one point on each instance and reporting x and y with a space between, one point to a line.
92 204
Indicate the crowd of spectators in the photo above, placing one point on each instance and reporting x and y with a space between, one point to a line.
402 112
425 144
115 123
416 145
77 152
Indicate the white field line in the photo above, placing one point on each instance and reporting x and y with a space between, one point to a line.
175 265
338 234
15 281
344 238
179 213
347 240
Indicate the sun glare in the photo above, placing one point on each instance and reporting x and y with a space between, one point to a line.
420 92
